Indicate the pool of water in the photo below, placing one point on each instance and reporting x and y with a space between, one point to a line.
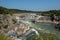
48 28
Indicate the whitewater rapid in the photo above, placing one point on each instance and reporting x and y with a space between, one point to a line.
42 27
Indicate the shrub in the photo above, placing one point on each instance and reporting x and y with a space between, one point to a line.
14 21
5 26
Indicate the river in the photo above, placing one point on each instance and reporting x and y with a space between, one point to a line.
43 27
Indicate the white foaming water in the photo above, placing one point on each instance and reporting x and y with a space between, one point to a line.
30 25
35 31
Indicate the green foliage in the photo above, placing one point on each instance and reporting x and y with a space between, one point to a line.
34 37
43 36
5 11
39 38
12 11
50 37
5 26
14 21
4 37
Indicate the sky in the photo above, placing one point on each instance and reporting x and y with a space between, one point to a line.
33 5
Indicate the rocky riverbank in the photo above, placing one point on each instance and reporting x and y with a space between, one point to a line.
47 21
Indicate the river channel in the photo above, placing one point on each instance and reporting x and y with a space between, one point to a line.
43 27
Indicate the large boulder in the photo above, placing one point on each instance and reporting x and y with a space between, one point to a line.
57 26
